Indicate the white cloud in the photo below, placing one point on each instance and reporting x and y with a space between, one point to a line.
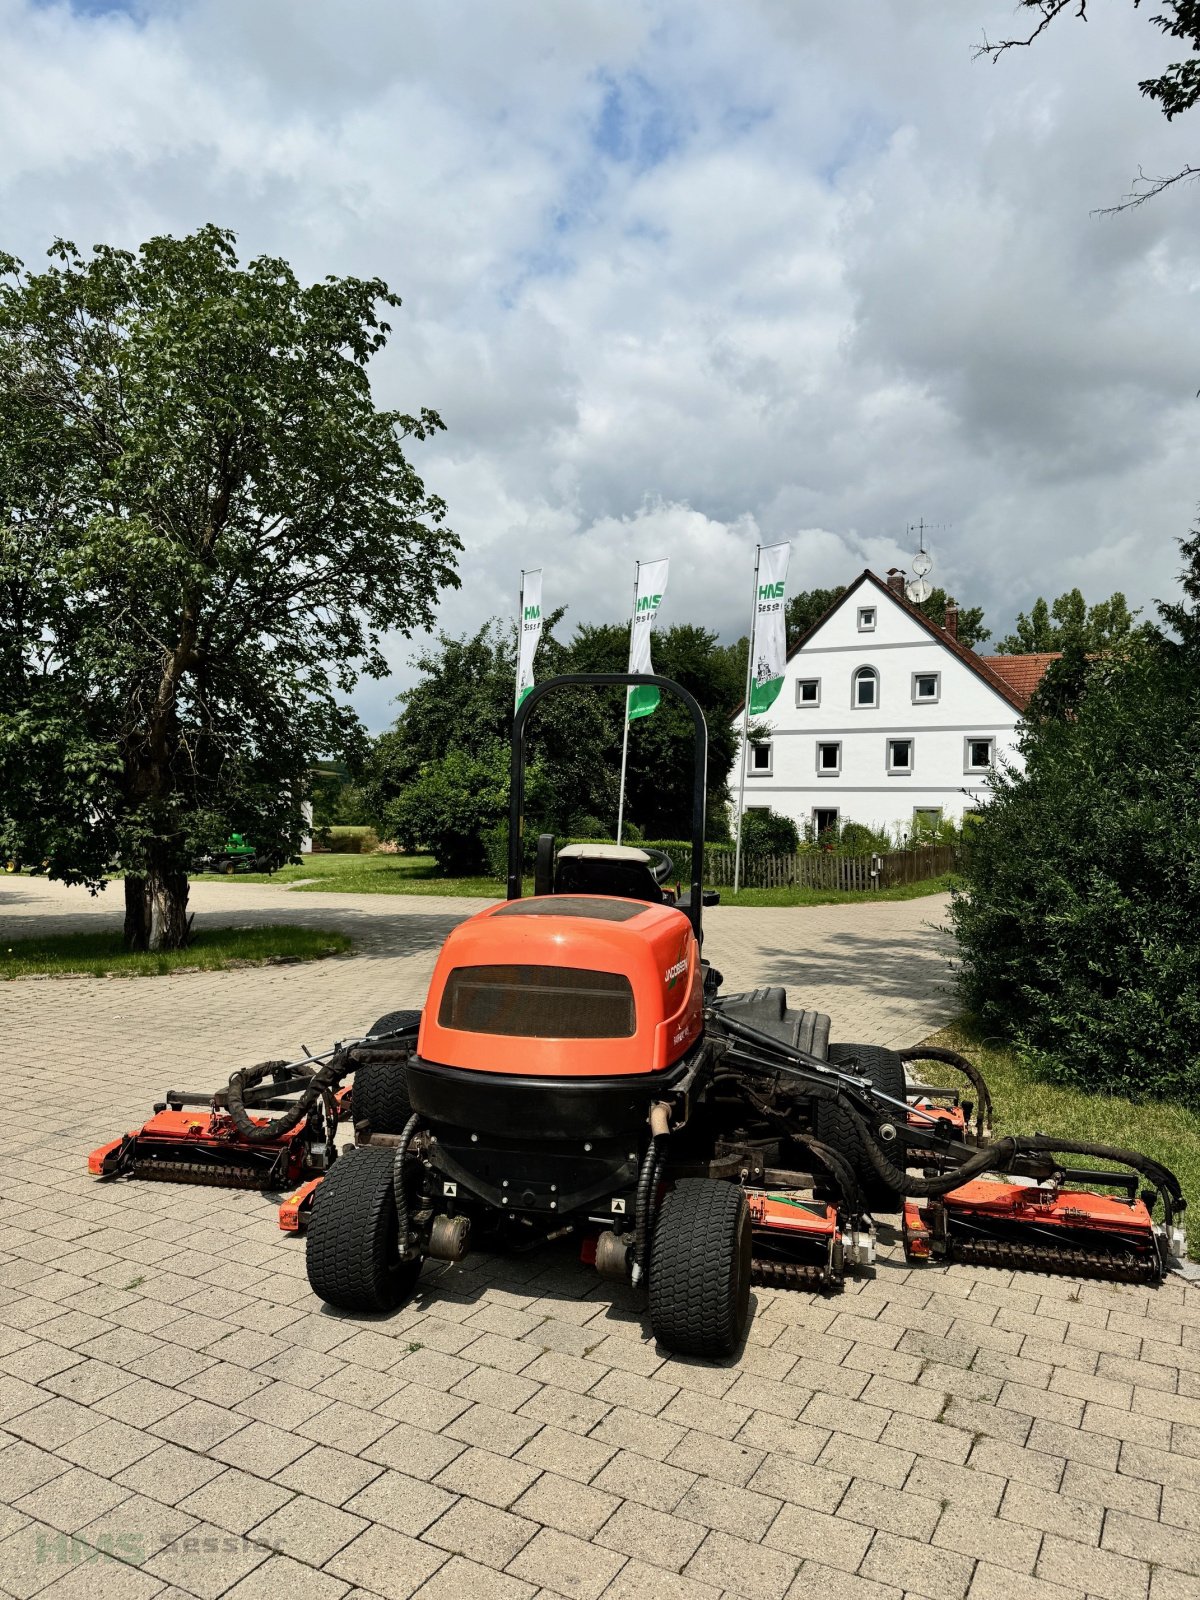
680 276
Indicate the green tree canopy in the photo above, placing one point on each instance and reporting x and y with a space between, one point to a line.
454 726
1077 932
1070 621
205 525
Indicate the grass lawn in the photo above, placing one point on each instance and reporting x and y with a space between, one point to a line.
1023 1103
389 874
211 950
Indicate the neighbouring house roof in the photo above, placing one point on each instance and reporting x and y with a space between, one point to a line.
1024 673
981 666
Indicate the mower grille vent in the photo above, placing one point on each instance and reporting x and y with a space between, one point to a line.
568 905
527 1002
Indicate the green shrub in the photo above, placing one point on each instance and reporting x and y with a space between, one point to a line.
1078 930
350 841
768 833
857 839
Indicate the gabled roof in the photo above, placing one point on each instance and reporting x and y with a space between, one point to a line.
981 666
1024 673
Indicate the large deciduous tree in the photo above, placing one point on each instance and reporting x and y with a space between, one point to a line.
1174 90
1077 933
1069 622
205 525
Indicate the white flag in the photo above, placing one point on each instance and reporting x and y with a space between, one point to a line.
769 640
651 587
531 630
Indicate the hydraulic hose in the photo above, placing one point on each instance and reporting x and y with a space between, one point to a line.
951 1058
322 1082
647 1187
401 1198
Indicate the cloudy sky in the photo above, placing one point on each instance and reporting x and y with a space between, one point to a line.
683 276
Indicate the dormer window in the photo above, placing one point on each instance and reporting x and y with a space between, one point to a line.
866 619
864 688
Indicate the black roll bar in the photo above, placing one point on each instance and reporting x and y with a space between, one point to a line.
604 680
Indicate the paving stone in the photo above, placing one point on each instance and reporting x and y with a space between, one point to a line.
459 1578
918 1568
198 1425
565 1565
170 1474
567 1505
110 1447
52 1422
569 1454
1002 1583
72 1501
481 1533
635 1581
413 1451
1161 1545
760 1573
329 1475
1001 1541
731 1509
654 1538
386 1563
834 1541
101 1572
235 1500
139 1528
1102 1573
258 1447
409 1505
716 1458
1074 1516
280 1575
25 1466
645 1480
574 1413
309 1530
817 1582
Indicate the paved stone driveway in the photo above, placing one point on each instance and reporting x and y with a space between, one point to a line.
179 1415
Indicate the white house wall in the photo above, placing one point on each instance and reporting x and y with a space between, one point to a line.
865 791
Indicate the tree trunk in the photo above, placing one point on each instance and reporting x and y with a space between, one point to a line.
156 911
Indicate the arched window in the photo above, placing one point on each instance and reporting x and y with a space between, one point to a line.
864 688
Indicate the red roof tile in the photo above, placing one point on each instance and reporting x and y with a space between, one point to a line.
1022 673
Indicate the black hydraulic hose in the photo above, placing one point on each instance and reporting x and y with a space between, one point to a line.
840 1170
647 1185
999 1157
399 1194
323 1081
951 1058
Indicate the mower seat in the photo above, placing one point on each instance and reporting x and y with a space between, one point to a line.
768 1011
622 871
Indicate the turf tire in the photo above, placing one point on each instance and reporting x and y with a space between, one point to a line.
351 1253
390 1021
700 1268
833 1125
380 1093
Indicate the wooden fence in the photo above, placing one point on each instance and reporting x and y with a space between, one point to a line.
821 869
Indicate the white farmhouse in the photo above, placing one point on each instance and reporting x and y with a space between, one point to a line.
885 718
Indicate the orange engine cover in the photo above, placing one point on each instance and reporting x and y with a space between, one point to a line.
566 986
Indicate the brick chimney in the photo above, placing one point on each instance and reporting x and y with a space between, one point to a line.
895 581
952 621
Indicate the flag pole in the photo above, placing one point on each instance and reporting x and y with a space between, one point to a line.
637 567
741 810
520 627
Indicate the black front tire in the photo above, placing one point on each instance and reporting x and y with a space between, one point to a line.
700 1268
833 1125
380 1091
351 1249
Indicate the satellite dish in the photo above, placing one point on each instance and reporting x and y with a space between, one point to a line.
918 591
922 563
